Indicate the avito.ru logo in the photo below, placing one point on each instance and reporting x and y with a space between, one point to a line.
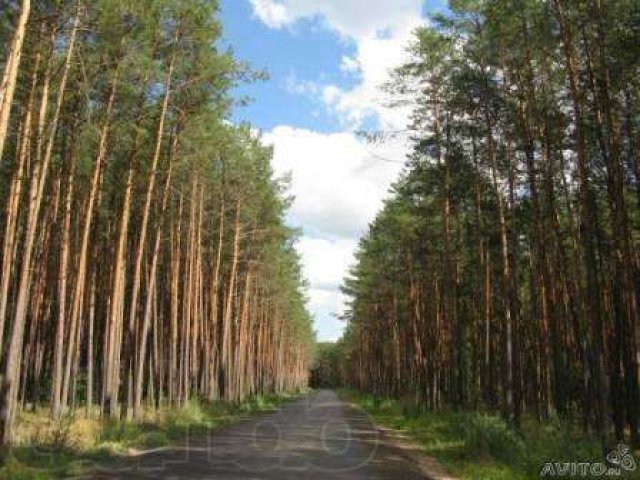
619 461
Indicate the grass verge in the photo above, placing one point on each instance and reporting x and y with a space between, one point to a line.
481 446
46 449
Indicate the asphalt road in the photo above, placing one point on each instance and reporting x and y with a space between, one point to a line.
316 438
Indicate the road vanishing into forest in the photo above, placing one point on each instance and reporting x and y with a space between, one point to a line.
316 438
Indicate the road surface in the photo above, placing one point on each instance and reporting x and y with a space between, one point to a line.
316 438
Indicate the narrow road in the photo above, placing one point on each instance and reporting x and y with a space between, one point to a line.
316 438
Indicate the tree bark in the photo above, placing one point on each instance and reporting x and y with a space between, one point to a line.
12 367
8 84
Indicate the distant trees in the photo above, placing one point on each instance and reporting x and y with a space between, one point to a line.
325 371
145 260
504 269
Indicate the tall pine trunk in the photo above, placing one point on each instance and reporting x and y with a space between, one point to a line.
8 83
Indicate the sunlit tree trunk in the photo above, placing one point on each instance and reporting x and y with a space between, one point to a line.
36 194
137 265
8 83
81 268
15 193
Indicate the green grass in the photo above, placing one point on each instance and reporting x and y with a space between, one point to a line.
47 449
481 446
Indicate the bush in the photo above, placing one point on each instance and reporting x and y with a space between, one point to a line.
490 436
152 439
188 415
108 447
256 404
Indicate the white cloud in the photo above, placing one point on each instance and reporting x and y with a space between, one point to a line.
272 14
323 306
350 64
293 84
325 261
338 180
351 18
381 31
375 58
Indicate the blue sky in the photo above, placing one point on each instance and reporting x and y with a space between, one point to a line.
326 60
303 52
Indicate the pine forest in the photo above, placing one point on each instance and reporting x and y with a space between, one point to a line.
145 259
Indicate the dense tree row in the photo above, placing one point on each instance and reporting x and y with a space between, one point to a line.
325 367
144 256
503 271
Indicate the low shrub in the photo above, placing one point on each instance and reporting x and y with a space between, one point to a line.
489 436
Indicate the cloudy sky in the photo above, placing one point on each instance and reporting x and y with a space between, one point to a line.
326 60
